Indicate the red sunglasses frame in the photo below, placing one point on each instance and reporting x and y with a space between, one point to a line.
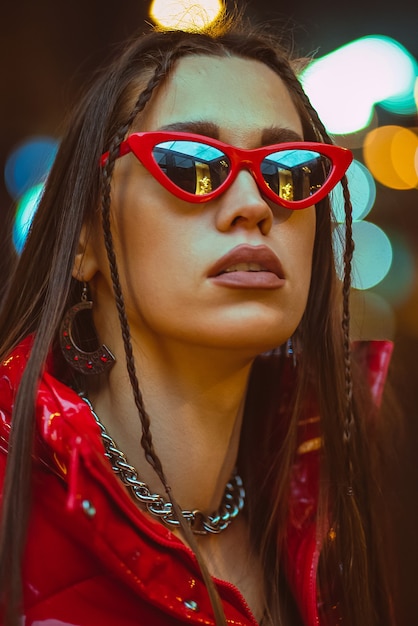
141 145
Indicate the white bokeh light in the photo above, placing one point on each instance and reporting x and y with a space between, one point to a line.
185 14
345 85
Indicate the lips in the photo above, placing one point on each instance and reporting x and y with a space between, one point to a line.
248 258
248 267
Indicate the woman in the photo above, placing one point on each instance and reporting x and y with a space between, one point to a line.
188 212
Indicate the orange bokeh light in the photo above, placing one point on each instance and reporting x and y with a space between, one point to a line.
391 155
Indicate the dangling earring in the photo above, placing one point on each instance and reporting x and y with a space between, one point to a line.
95 362
291 351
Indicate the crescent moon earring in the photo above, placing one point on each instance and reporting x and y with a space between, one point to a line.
95 362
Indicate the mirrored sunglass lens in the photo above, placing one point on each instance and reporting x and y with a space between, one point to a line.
192 166
295 174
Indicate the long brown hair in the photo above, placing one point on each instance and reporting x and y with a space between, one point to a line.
41 288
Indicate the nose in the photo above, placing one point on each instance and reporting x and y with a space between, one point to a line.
243 205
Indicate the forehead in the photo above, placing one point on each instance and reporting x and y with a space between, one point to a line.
240 96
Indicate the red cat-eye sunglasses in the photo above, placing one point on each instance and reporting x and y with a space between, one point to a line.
197 169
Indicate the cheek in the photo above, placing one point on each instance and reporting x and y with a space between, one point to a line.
307 241
153 252
298 240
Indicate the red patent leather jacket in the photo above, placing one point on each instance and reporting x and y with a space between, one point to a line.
93 558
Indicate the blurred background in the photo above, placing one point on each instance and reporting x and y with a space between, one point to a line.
363 80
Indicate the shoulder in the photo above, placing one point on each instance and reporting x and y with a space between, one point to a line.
11 371
59 411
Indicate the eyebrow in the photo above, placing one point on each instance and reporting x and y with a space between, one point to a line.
208 129
276 134
269 136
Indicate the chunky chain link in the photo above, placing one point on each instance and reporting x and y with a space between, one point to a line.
201 524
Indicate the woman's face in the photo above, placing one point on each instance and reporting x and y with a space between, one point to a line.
172 254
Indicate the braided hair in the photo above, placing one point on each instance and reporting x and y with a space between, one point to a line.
146 440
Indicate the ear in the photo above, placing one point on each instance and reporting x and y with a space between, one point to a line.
86 259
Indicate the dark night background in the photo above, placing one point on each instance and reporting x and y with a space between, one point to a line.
48 50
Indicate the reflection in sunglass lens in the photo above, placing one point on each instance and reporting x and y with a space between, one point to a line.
194 167
295 174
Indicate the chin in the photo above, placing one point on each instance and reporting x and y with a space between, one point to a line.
251 342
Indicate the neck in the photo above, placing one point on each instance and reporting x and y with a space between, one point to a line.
195 406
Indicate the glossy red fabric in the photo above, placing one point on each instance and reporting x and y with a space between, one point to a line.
93 557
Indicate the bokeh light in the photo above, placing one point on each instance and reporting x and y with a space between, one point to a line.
391 154
402 101
345 85
29 164
372 316
185 14
355 139
362 193
401 280
372 255
26 209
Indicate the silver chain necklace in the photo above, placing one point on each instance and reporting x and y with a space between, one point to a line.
201 524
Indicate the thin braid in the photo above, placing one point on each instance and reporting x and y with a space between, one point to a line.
349 420
348 257
353 522
146 440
